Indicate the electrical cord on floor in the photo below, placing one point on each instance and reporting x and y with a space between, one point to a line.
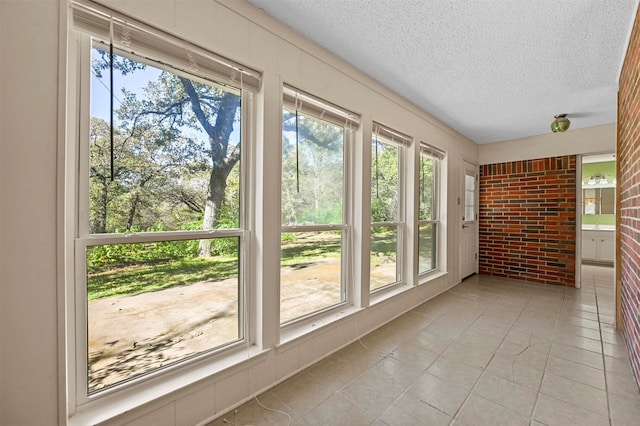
235 413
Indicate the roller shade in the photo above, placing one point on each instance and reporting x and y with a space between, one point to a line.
130 35
387 134
432 151
297 100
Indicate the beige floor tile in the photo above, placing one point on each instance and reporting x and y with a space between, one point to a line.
369 395
524 354
396 375
581 306
411 411
516 370
335 411
553 412
607 319
302 392
564 330
469 354
568 314
381 342
580 342
530 339
513 396
480 340
479 411
617 366
622 386
415 355
490 336
433 340
336 371
625 410
455 372
267 409
581 356
498 327
581 395
586 323
379 386
359 355
440 394
616 351
540 342
576 372
613 338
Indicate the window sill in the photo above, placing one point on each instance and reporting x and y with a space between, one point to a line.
388 293
431 276
107 407
292 333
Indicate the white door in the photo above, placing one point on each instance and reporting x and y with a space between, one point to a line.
469 221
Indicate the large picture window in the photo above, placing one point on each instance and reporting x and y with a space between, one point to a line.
387 207
161 228
428 214
315 184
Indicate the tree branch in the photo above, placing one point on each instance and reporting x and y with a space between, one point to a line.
195 105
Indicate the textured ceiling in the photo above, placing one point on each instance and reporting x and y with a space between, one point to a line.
491 69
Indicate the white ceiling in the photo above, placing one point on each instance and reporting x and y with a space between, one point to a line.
491 69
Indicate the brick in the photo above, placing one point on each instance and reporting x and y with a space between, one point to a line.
628 155
536 203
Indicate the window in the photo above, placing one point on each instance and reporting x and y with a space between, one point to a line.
428 216
387 207
469 197
315 228
161 195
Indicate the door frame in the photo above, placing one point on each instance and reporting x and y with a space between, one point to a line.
464 166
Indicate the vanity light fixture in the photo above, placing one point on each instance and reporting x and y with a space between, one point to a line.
560 124
597 179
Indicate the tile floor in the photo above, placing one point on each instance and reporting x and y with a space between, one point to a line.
489 351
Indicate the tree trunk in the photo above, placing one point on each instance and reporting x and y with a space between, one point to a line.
132 210
222 159
215 198
102 220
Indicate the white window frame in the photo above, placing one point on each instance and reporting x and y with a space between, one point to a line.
401 141
77 237
438 156
320 109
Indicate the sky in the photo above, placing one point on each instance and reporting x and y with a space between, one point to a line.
134 82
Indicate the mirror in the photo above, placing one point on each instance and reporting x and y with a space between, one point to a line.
598 200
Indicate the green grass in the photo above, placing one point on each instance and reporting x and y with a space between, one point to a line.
141 276
157 275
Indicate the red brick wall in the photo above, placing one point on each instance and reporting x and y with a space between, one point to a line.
628 219
528 220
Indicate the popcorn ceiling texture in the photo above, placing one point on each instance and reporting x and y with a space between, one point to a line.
492 70
528 220
629 198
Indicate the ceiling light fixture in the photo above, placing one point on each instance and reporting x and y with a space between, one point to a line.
560 124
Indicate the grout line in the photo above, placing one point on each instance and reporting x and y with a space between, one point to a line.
604 363
484 370
546 362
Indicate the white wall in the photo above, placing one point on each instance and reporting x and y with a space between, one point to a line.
590 140
30 392
28 137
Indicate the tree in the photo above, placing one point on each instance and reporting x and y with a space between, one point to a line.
312 170
384 182
162 130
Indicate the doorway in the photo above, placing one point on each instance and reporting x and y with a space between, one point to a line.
597 219
469 225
